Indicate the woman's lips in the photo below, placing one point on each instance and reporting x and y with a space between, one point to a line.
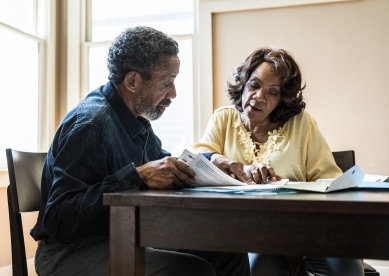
255 108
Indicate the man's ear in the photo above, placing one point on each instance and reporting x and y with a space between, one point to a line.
132 81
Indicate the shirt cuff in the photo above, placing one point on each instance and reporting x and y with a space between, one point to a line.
130 178
208 154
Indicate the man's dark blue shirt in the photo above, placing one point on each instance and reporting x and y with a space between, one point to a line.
96 150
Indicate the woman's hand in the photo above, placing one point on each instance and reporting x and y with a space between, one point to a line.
261 173
231 167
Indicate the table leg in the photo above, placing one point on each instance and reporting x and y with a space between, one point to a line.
126 257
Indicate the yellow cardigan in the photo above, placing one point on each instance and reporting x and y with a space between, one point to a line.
297 151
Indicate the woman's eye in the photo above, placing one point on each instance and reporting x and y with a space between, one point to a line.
274 93
253 85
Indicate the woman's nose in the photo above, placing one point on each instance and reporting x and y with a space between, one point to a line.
259 95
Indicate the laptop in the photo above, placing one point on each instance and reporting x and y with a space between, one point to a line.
349 179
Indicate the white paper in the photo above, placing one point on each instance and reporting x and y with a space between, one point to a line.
369 181
208 174
350 179
375 185
271 185
374 178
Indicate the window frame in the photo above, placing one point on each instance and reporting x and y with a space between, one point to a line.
86 43
45 22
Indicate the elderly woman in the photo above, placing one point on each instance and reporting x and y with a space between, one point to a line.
267 132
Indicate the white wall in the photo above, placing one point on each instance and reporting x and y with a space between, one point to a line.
343 51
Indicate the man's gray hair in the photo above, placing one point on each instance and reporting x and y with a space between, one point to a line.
138 49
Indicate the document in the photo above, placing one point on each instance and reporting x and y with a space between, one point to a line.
369 181
375 178
375 181
210 175
271 185
212 179
262 189
350 179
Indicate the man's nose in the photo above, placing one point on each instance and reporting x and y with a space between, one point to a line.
172 92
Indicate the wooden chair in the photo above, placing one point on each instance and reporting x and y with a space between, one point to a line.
24 195
345 160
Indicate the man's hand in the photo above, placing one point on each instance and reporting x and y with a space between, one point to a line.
166 173
261 173
231 167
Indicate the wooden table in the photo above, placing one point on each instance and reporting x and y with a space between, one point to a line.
342 224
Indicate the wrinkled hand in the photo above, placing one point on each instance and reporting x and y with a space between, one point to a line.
231 167
261 173
166 173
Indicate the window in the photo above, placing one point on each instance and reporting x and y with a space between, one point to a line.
173 17
20 68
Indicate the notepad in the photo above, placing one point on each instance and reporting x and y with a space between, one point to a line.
350 179
373 181
369 181
375 178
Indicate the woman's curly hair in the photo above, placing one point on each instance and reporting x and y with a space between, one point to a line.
138 49
282 62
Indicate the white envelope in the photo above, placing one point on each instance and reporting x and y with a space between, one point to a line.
349 179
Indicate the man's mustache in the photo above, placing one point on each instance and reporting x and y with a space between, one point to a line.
165 102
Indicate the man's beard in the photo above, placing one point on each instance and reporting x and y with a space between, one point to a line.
145 108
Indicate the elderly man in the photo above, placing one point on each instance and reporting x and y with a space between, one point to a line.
106 144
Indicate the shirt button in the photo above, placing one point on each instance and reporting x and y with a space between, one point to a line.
133 185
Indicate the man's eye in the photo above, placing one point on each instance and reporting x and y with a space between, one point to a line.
166 86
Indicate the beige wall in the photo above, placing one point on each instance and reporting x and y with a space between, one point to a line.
28 219
343 51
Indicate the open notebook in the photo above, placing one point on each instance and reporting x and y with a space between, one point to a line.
349 179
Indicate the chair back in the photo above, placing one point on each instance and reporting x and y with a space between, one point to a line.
23 193
344 159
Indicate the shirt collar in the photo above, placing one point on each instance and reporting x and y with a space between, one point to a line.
134 125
